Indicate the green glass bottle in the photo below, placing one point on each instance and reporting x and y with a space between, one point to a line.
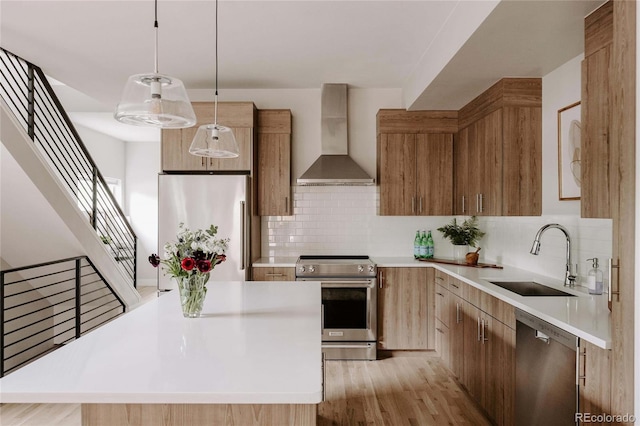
430 247
423 245
416 245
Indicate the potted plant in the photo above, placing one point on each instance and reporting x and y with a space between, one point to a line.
462 236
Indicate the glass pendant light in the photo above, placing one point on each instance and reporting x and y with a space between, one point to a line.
214 140
154 99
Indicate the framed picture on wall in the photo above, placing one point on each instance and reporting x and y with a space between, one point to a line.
569 152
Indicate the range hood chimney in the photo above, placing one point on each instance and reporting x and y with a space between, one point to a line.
334 166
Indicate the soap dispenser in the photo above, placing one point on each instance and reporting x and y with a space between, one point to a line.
595 278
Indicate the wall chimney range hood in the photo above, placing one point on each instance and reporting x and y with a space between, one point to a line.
334 166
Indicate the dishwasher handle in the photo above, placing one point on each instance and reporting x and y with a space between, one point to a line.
541 336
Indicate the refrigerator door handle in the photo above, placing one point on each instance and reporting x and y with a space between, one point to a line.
243 234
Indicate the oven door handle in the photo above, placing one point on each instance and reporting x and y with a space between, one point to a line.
364 345
347 284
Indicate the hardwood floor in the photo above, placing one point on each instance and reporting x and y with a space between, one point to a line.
400 390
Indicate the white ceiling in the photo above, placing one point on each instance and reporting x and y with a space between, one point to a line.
441 53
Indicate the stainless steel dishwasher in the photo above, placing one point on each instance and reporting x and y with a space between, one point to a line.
546 374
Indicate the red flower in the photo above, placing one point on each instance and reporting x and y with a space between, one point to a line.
204 265
154 259
220 258
188 263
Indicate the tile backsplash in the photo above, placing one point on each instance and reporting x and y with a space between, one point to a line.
343 220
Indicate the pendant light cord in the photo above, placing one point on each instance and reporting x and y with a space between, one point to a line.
155 26
215 97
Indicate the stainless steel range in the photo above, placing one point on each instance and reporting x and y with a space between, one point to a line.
349 303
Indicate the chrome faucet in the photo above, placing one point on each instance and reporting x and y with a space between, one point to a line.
569 277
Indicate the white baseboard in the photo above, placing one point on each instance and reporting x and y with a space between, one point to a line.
147 283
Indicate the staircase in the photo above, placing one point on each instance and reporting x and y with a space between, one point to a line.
39 135
30 98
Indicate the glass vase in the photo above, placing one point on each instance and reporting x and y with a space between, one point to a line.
460 252
192 292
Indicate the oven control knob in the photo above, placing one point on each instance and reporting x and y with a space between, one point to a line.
312 268
360 268
371 268
302 269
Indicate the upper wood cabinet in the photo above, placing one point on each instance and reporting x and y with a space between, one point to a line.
274 162
415 162
406 308
498 151
595 161
239 116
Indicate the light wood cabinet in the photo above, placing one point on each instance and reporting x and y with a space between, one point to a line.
456 336
498 151
239 116
608 105
274 163
406 317
594 385
485 166
461 190
596 152
273 273
415 162
478 347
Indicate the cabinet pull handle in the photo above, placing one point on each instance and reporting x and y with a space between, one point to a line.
324 377
463 206
286 204
453 285
477 203
581 354
381 279
611 292
420 205
479 338
439 294
457 313
413 205
481 203
439 278
243 235
439 331
484 331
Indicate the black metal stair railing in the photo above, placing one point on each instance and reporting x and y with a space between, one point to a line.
27 92
47 305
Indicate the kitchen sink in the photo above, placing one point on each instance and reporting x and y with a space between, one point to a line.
530 288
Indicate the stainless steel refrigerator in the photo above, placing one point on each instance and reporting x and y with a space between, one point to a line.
200 201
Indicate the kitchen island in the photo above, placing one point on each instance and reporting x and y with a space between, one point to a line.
253 357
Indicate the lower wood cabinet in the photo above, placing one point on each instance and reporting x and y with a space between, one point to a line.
478 348
406 309
456 336
595 384
274 274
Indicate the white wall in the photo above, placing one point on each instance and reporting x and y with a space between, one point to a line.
560 88
27 220
107 152
142 168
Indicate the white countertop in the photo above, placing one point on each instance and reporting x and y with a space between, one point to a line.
586 316
256 343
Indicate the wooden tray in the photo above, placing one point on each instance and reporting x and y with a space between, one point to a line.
461 263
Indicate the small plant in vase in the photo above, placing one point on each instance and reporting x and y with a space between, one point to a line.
462 235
